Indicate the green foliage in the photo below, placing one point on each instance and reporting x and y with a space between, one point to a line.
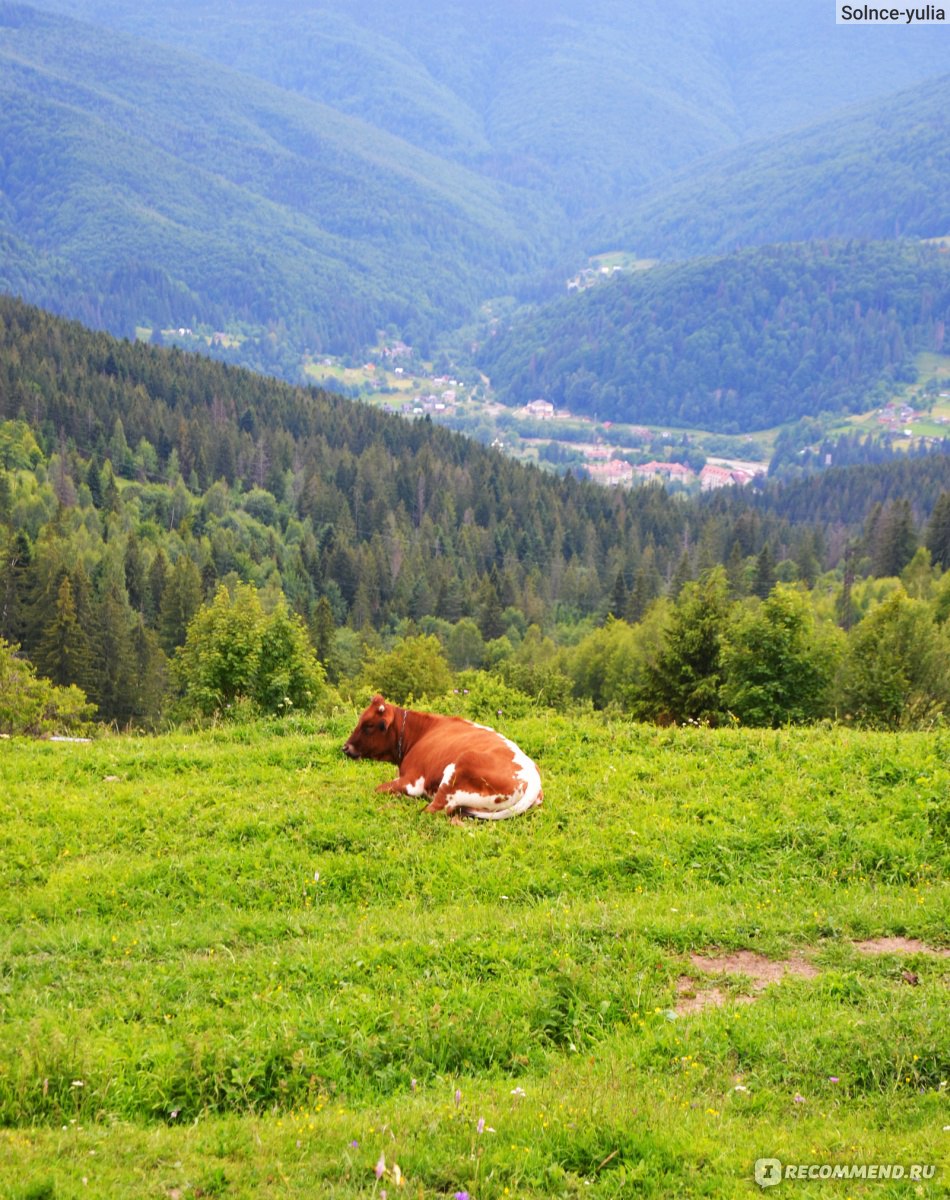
778 669
415 667
683 682
872 173
32 705
18 446
938 532
609 665
896 671
236 651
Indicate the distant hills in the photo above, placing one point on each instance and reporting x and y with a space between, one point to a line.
142 185
880 171
734 343
317 172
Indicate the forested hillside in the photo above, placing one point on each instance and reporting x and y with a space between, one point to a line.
142 186
881 171
734 344
136 481
550 92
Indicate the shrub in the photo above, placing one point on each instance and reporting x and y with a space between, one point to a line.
235 651
415 667
895 672
32 705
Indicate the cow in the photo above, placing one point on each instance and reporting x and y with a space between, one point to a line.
465 769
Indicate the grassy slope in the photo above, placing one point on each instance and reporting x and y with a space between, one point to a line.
237 1025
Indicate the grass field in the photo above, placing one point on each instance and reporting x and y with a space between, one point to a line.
230 969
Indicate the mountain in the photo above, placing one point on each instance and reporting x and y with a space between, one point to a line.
580 97
319 171
141 185
736 343
880 171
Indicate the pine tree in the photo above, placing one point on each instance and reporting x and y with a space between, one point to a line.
618 597
894 539
181 599
116 668
938 532
94 483
683 684
135 580
156 579
64 653
490 615
646 587
764 579
736 574
322 627
16 562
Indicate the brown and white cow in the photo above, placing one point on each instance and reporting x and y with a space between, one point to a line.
465 769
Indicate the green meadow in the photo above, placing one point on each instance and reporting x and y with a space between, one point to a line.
230 969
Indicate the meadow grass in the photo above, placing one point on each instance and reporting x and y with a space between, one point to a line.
229 968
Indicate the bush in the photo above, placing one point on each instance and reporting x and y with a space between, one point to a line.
235 651
415 667
895 673
35 706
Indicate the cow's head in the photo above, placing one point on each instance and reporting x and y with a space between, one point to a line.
375 735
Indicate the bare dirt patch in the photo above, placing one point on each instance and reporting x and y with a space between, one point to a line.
899 945
693 996
689 1000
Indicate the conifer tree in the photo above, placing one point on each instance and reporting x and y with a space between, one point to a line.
181 599
16 561
322 626
115 663
683 684
938 532
646 587
63 653
490 613
764 579
155 589
894 539
617 605
135 578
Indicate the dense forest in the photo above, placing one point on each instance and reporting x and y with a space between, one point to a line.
733 344
136 482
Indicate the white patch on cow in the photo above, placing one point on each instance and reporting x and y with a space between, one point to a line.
447 774
525 795
417 788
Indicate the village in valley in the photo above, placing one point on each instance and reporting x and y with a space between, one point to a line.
612 454
394 377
